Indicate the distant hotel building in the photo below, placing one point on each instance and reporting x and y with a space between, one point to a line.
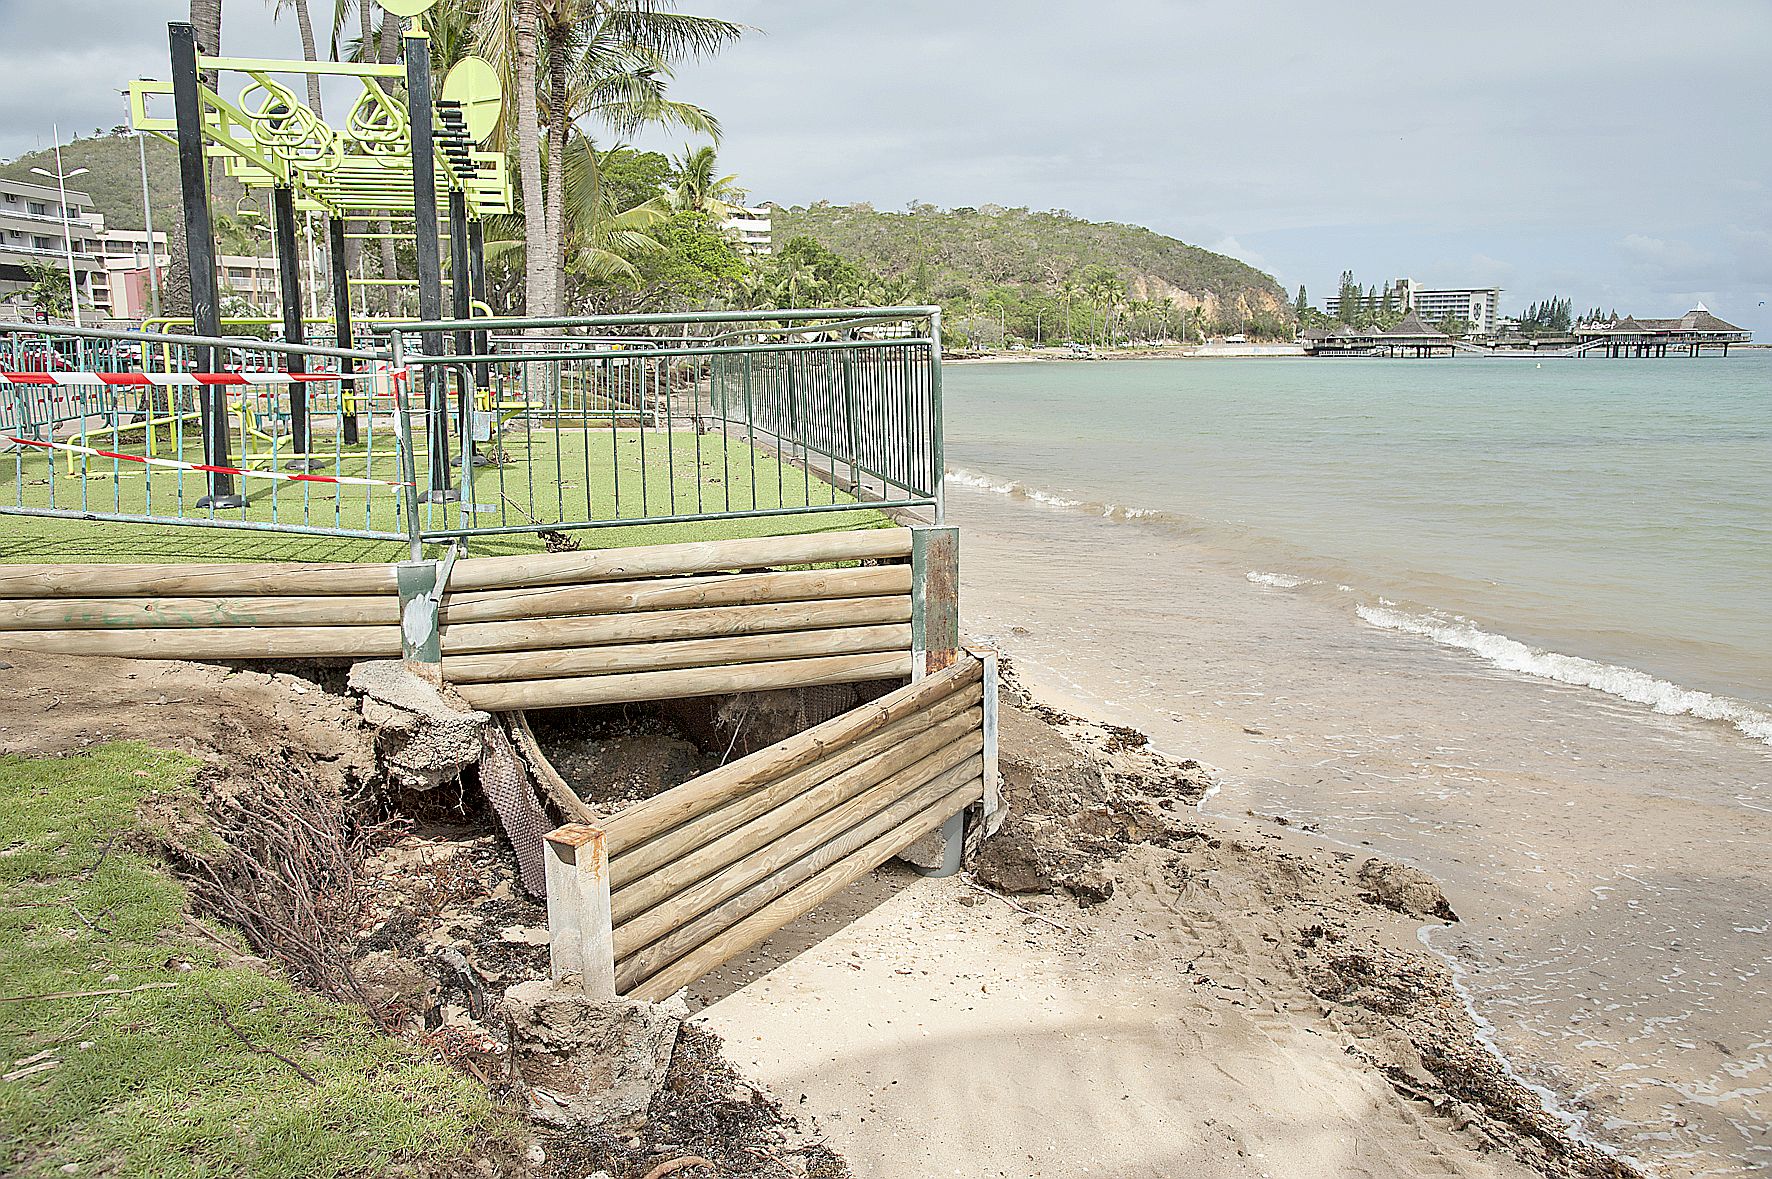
31 233
1478 306
750 228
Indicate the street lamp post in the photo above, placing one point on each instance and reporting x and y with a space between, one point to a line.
61 179
141 143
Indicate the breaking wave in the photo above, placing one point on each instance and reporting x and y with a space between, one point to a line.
1279 580
1623 682
1014 489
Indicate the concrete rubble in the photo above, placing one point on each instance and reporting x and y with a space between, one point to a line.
594 1063
425 734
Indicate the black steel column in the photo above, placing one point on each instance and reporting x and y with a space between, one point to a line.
289 288
460 290
419 109
341 322
477 287
187 104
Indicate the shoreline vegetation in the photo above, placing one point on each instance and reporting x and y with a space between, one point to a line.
1110 928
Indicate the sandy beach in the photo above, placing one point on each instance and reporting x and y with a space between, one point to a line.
1125 988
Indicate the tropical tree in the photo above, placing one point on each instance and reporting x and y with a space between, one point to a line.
607 62
696 187
310 49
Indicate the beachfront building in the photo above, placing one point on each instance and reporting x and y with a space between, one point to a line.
750 229
1478 306
1412 337
1686 335
122 289
31 235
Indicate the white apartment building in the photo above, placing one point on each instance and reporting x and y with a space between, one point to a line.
31 234
1479 306
750 229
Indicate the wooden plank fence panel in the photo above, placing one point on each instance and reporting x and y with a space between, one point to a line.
582 691
879 544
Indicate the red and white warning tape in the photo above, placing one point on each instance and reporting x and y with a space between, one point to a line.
174 464
185 380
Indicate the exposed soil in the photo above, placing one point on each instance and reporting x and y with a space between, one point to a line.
407 904
1239 918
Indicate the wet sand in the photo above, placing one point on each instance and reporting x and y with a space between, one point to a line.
1608 861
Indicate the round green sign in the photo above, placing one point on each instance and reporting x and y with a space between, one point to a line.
475 85
407 8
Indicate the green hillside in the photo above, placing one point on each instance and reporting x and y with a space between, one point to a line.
114 181
1020 269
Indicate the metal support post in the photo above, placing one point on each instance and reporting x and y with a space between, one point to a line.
193 175
294 332
461 306
477 285
341 320
581 942
430 260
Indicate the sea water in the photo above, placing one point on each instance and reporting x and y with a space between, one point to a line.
1506 619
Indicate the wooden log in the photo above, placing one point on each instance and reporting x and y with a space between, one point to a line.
644 820
226 642
877 544
875 756
583 691
801 823
667 625
665 934
734 589
176 581
800 899
573 661
129 613
576 809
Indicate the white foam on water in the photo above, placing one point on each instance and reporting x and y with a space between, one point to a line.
1623 682
1278 580
1012 488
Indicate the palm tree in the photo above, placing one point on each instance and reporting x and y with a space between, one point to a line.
608 61
698 190
310 51
598 241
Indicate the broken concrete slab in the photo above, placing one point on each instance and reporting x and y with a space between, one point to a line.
595 1063
425 733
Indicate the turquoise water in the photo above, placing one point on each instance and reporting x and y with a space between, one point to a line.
1504 620
1607 523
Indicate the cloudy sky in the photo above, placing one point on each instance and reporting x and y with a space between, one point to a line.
1618 153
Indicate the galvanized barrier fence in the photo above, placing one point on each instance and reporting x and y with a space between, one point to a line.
606 421
565 424
225 433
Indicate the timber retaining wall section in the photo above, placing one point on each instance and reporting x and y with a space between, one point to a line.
554 630
702 872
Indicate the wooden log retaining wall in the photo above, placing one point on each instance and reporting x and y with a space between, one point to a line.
702 872
553 630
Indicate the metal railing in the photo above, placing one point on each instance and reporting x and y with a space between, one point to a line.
564 424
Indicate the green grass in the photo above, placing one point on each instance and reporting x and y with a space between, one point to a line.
153 1083
566 476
